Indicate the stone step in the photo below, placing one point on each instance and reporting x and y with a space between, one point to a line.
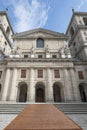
73 108
65 107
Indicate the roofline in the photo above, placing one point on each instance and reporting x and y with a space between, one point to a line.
5 13
74 13
58 35
39 29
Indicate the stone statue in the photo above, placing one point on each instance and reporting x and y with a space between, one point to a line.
32 50
67 50
47 49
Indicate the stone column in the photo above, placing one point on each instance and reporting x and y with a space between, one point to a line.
49 93
68 86
75 86
31 89
13 86
6 85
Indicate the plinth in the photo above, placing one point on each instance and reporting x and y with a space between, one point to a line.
42 117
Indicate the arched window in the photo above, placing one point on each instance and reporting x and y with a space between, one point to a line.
8 30
0 88
40 43
71 31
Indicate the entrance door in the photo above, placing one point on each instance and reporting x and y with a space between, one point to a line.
23 93
83 93
40 95
57 93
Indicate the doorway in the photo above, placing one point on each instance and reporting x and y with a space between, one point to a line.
56 93
40 92
22 92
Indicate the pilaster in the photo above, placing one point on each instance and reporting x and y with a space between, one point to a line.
31 89
6 85
49 94
13 86
75 86
68 86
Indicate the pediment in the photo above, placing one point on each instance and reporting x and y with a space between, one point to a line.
39 33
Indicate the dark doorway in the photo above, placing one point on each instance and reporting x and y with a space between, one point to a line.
23 93
57 93
83 92
40 93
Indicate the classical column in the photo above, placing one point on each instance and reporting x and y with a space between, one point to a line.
68 86
75 86
6 85
13 86
31 89
49 93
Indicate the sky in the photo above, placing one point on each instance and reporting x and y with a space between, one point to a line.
53 15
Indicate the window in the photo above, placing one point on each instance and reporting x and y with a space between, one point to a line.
39 56
8 30
56 74
72 31
0 74
25 56
5 43
85 21
74 43
0 87
80 74
54 56
23 73
40 43
40 73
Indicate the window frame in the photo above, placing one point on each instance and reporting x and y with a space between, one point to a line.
56 73
40 55
0 74
80 75
38 42
54 56
40 73
25 56
23 73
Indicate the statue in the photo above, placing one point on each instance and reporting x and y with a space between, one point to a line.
47 49
32 50
15 52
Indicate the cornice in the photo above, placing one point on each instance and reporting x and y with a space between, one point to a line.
39 60
39 30
80 63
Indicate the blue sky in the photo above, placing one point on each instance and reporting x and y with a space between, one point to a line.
50 14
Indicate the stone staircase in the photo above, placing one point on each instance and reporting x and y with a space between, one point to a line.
72 108
68 108
12 108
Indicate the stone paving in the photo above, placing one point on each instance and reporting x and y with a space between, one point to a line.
5 119
80 119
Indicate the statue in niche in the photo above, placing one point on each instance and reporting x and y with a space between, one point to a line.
67 50
47 49
62 51
32 50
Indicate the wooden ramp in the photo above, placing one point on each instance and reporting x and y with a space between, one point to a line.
42 117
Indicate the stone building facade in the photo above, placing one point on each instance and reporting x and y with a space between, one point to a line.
40 68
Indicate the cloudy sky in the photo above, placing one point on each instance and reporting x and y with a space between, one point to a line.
50 14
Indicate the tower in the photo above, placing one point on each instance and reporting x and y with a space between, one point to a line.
77 32
6 32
